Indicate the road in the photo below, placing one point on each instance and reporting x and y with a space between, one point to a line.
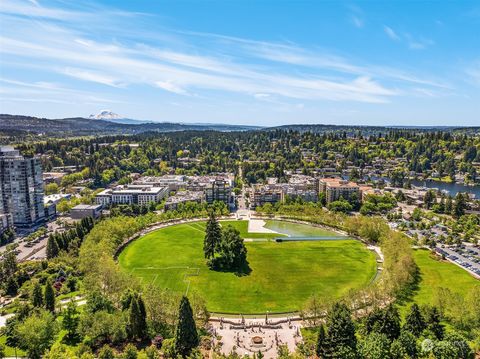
39 249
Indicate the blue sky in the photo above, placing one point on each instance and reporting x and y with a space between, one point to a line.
245 62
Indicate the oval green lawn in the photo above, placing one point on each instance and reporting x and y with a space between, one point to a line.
284 275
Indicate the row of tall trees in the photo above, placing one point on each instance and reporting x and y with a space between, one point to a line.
72 238
381 335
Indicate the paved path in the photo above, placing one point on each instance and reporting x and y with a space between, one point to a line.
258 226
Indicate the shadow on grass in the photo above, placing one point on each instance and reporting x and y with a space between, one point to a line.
406 294
240 271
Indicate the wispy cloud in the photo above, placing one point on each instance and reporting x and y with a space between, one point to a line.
357 22
391 33
413 43
43 38
418 43
356 16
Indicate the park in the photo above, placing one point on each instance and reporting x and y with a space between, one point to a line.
284 272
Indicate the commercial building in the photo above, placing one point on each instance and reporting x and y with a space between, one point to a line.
280 192
21 188
183 197
132 194
217 187
269 193
50 203
85 210
336 188
173 182
303 182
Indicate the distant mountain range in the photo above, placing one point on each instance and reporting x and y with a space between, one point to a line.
108 123
101 124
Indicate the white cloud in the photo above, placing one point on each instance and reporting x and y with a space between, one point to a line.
357 22
92 76
391 33
74 50
418 43
171 87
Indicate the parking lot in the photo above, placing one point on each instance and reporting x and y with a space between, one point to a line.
466 256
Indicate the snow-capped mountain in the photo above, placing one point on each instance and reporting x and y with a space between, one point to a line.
108 115
105 115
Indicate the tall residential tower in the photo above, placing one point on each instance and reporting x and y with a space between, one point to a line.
21 188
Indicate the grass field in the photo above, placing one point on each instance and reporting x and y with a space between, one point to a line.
283 275
435 274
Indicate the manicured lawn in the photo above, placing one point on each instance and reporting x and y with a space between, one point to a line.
283 275
435 274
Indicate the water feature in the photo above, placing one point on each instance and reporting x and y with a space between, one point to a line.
452 188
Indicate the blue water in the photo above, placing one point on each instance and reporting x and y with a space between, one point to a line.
452 188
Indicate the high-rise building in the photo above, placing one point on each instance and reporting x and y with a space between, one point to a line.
21 188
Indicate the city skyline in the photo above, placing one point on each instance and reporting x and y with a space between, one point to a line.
262 63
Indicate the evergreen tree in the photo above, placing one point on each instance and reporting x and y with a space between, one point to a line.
52 247
409 343
213 235
448 204
71 320
375 346
49 298
322 343
432 319
11 287
37 296
414 321
340 329
137 325
459 206
186 336
385 321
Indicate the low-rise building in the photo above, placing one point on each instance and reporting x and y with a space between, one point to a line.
53 177
182 197
336 188
132 194
86 210
269 193
303 182
173 182
216 187
50 203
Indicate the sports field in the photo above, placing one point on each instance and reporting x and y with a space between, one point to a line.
283 275
436 274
